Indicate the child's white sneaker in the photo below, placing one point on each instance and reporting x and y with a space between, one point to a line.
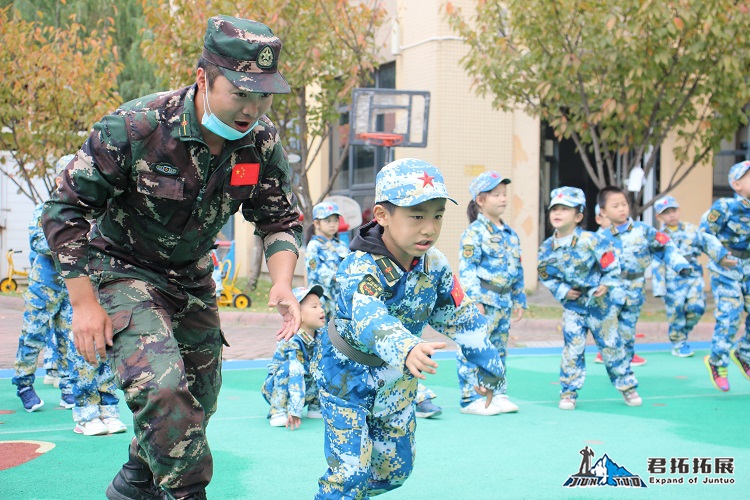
506 406
477 408
313 411
93 427
632 398
278 420
114 425
567 404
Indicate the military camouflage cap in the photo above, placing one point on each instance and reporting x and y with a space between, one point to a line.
738 170
246 52
408 182
303 291
325 209
569 197
486 181
62 163
665 203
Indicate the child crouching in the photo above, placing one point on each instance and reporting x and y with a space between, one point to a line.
582 272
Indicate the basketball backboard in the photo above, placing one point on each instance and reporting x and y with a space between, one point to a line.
389 111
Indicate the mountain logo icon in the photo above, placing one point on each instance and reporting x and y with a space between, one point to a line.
604 472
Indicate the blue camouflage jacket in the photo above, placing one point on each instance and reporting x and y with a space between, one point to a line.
322 259
490 264
729 220
589 261
691 242
43 267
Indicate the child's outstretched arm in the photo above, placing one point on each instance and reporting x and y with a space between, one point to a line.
420 358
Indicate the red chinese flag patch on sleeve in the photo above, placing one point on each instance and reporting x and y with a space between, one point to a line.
245 174
457 292
662 238
607 259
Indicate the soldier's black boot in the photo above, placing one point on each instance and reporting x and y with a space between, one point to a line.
134 482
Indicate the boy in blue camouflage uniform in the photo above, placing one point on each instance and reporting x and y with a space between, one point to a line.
289 385
393 284
582 272
491 274
729 220
684 296
324 253
47 315
162 175
635 244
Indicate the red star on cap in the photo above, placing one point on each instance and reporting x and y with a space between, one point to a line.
426 180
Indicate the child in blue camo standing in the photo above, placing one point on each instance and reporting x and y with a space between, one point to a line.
491 274
728 221
324 253
635 244
393 284
582 272
289 385
684 296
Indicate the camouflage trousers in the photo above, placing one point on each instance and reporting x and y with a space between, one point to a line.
167 360
601 321
685 303
94 389
423 393
498 324
47 316
289 389
627 319
366 455
731 297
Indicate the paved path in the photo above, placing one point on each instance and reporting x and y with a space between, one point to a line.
251 335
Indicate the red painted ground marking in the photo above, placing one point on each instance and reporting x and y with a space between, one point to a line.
6 412
15 453
640 335
659 404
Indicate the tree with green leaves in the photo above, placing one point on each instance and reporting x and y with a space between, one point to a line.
329 49
618 78
56 82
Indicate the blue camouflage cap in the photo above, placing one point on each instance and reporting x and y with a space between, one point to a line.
62 163
325 209
738 170
303 291
569 197
408 182
664 203
486 181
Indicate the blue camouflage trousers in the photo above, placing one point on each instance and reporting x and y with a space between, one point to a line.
685 303
366 455
47 315
289 389
498 324
423 393
601 321
94 389
166 359
731 298
627 320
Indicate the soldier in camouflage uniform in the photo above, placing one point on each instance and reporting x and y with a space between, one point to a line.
684 297
636 244
47 314
324 253
491 273
729 220
289 385
393 284
582 272
162 175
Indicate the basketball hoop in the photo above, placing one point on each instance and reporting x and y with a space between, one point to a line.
381 139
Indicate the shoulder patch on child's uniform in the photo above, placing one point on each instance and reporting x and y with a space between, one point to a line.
457 292
370 286
300 357
542 269
388 268
468 251
313 264
607 259
662 238
713 215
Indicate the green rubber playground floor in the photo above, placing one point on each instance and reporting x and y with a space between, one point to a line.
525 455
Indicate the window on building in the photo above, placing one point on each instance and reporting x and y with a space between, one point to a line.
733 150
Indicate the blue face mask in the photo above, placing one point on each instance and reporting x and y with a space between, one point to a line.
218 127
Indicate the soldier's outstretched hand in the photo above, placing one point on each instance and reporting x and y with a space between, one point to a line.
282 298
487 393
419 360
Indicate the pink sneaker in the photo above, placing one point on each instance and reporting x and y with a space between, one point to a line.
745 367
718 375
637 361
598 358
